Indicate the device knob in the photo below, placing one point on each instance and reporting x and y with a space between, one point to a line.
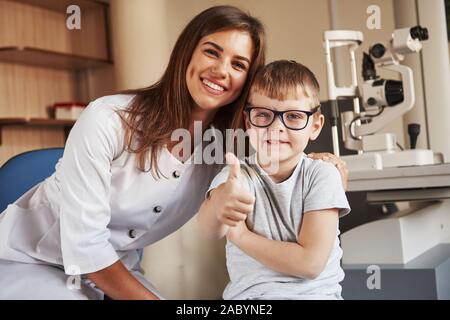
377 50
418 32
371 101
413 132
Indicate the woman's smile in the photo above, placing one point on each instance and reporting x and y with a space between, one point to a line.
213 87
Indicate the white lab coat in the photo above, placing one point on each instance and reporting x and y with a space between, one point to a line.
97 207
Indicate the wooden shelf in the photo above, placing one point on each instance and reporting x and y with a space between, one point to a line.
37 122
35 34
61 5
52 59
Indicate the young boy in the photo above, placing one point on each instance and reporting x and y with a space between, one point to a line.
280 210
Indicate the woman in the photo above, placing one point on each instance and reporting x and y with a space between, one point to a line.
118 187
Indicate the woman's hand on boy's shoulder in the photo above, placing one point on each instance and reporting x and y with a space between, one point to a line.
336 161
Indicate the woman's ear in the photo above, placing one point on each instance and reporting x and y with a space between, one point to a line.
317 125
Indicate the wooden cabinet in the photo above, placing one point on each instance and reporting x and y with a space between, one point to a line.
42 61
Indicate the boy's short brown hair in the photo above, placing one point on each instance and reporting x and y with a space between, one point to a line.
282 80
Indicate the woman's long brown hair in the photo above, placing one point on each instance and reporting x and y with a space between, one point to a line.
157 110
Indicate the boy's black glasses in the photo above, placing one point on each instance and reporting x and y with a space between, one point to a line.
292 119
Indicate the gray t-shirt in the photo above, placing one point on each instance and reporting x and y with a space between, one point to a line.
277 215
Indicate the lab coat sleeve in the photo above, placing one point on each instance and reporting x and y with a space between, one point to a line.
93 143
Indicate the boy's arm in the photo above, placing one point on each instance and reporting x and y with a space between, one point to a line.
305 259
340 164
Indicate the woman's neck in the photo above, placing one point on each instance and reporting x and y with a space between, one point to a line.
204 116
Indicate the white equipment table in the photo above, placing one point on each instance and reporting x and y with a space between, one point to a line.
411 248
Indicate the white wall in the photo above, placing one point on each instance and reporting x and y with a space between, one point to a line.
436 75
139 41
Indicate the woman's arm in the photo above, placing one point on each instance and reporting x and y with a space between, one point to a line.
305 259
119 284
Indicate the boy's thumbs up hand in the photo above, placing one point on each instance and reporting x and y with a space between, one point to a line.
235 166
233 202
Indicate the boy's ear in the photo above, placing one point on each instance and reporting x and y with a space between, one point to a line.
246 120
317 126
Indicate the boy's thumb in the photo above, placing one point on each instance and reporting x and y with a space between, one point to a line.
235 167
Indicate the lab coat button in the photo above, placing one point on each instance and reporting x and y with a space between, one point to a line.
157 209
176 174
132 234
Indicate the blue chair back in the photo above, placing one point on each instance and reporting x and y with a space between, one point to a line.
24 171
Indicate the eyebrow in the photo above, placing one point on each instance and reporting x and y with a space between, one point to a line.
215 45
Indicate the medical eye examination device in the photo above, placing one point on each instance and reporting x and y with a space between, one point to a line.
411 247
